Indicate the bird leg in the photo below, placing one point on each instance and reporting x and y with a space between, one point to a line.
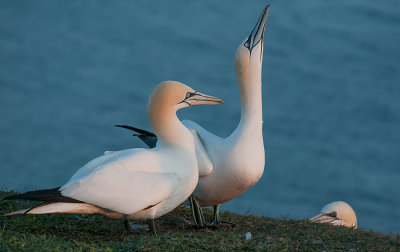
135 227
217 221
197 213
126 224
152 228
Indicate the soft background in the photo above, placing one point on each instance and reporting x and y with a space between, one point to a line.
70 70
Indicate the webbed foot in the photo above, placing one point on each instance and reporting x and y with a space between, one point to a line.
140 228
217 220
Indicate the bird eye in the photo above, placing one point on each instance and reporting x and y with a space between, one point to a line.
333 214
247 44
188 94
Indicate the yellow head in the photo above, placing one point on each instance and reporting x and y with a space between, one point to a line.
165 100
337 213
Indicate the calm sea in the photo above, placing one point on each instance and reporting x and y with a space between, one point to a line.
70 70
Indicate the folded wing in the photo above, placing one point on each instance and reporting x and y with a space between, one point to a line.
205 164
123 182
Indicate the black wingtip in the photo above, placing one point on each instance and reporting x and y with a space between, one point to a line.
140 131
11 197
14 197
47 195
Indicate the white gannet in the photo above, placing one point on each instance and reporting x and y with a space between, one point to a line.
135 183
337 213
229 166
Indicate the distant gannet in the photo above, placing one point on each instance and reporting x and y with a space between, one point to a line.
337 213
229 166
135 183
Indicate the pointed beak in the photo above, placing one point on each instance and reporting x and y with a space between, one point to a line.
197 98
257 34
325 218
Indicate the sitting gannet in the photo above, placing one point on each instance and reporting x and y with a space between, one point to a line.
229 166
135 183
337 213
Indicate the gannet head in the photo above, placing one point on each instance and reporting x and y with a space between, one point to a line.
248 58
337 213
165 100
175 95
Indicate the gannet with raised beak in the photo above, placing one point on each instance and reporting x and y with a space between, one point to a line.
135 183
337 213
229 166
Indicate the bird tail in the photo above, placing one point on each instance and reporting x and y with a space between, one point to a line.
17 212
47 195
66 208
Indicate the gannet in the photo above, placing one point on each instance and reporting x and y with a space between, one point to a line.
337 213
135 183
229 166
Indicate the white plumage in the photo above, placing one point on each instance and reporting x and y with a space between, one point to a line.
139 183
229 166
131 180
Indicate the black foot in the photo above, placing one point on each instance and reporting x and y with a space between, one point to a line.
197 213
217 221
137 227
152 228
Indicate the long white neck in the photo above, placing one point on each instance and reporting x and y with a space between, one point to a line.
169 129
251 102
251 107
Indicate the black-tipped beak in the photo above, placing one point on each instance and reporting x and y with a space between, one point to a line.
326 218
197 98
257 34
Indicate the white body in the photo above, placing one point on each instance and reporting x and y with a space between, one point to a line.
232 165
140 183
131 180
229 166
133 184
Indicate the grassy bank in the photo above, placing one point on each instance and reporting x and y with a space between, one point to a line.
175 232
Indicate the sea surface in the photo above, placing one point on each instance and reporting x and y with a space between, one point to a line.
70 70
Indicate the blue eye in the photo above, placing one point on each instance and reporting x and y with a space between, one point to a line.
333 214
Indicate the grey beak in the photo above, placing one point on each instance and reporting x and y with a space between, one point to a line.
197 98
257 34
323 217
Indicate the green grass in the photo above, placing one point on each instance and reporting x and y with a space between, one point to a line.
175 233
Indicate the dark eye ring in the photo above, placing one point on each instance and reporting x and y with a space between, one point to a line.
188 94
333 214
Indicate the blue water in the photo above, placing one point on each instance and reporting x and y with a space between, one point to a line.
69 70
